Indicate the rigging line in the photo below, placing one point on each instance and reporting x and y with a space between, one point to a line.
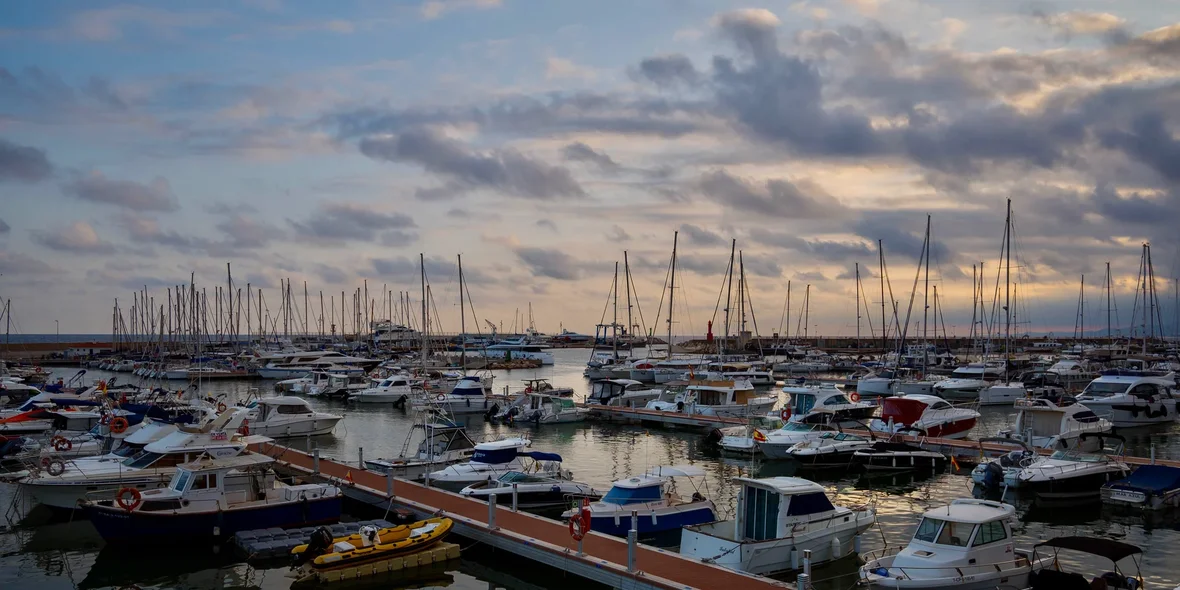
663 293
635 293
728 275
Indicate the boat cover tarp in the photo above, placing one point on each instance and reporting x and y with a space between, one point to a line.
73 401
539 456
1112 550
1151 478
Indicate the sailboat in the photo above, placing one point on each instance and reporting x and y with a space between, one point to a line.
1008 391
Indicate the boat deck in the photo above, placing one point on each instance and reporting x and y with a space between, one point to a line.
527 535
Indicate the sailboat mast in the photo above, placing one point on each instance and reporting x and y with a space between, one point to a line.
881 272
857 266
425 331
614 326
462 320
1109 332
728 292
926 302
627 280
741 295
1007 289
806 311
788 312
672 290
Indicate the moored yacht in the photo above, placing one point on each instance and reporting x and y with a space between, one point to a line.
532 491
626 393
1057 423
1131 400
925 414
650 494
287 416
776 443
777 519
830 449
825 403
490 460
731 399
388 390
1070 474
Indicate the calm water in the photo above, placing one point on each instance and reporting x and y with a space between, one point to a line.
71 555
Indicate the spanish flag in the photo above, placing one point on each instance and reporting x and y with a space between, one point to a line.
954 463
758 436
348 476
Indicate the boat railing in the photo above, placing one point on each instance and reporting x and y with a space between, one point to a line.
858 512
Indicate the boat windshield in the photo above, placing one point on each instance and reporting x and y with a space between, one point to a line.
944 532
1076 456
181 480
797 427
128 449
142 459
618 495
1105 389
514 477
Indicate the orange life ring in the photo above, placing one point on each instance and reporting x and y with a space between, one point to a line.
580 521
785 414
62 444
37 369
119 425
221 407
855 397
128 504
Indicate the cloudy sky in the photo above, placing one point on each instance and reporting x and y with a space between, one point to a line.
333 142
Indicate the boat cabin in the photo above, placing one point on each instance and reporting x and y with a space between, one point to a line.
908 409
621 392
442 439
285 405
770 508
966 531
719 393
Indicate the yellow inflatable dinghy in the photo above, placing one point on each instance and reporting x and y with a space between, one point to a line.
324 553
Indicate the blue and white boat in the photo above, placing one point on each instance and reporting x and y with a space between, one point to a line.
491 460
659 509
1150 487
213 498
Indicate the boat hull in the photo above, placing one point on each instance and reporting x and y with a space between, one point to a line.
307 428
651 524
899 461
116 524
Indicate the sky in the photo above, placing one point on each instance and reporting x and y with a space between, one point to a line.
330 143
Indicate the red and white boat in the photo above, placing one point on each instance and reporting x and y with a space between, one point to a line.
928 415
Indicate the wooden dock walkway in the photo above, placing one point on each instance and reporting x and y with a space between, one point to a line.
530 536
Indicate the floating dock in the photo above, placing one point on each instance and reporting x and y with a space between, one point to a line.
603 559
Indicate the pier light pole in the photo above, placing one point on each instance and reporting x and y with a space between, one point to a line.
57 329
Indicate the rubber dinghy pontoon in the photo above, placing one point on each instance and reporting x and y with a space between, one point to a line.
370 545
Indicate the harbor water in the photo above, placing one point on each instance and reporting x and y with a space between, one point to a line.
37 552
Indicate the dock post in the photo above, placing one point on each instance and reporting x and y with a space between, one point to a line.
803 582
514 509
632 541
361 461
856 544
806 567
389 485
315 458
1152 454
492 511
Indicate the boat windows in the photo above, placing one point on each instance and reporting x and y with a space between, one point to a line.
990 532
128 449
181 480
1086 417
761 516
797 427
813 503
1105 389
803 403
205 482
1145 391
928 530
293 409
618 495
837 400
955 534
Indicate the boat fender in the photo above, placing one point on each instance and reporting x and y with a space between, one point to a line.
440 397
244 429
836 548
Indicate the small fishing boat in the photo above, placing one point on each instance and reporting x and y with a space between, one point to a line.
966 544
926 414
776 443
778 518
198 504
442 442
287 416
1070 474
660 511
1150 487
490 460
532 491
467 396
830 449
898 456
625 393
1048 575
730 399
542 408
369 547
389 390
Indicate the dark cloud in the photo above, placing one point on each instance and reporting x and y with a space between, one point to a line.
1134 208
580 152
617 234
504 170
458 214
547 224
897 241
550 263
398 239
349 221
778 197
77 238
702 265
331 274
244 232
761 265
850 274
17 264
405 270
1149 142
668 70
147 230
811 276
23 163
701 236
95 187
4 227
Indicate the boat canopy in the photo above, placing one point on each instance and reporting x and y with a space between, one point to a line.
676 471
1151 478
649 491
1112 550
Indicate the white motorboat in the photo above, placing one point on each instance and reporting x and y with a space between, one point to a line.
966 544
777 519
490 460
1069 474
776 443
285 417
1057 423
756 372
1131 400
388 390
518 348
928 415
830 449
1002 393
442 442
63 484
660 511
825 403
624 393
985 371
339 385
959 388
731 399
296 364
532 491
739 440
466 397
542 408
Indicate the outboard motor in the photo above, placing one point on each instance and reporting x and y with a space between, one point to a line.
993 475
400 403
317 545
490 415
368 535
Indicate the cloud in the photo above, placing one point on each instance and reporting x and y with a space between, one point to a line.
331 274
557 68
547 224
97 188
1149 142
147 230
458 214
505 170
76 238
811 276
17 264
244 232
1079 22
348 221
580 152
668 71
5 228
550 263
113 23
398 239
775 197
404 270
701 236
617 234
433 9
23 163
